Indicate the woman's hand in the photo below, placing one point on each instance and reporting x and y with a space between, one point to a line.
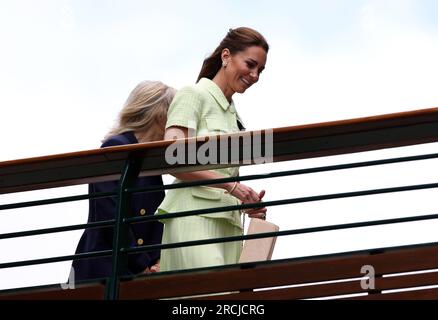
243 193
259 213
155 267
152 269
248 195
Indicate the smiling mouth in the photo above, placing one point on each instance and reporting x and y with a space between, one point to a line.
245 82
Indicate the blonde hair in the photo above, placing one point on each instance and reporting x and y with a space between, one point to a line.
146 104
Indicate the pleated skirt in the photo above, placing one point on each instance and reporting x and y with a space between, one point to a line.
197 228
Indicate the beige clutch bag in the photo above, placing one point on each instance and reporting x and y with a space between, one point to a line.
258 249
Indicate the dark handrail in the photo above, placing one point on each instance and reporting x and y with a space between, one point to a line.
297 142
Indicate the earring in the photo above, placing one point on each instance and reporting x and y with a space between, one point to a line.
224 63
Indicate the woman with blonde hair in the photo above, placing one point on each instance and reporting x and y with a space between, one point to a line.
142 119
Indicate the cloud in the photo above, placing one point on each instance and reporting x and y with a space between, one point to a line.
376 15
386 68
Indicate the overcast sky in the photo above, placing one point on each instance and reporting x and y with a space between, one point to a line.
67 67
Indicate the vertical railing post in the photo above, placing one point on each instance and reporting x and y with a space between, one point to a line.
121 229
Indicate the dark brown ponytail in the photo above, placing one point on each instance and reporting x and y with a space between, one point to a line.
236 40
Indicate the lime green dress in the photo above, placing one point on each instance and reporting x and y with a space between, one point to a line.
204 109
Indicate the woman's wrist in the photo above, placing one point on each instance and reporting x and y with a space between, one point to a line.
231 189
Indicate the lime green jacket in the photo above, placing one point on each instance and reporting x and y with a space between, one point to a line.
204 109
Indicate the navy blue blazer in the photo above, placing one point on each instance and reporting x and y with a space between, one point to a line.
145 233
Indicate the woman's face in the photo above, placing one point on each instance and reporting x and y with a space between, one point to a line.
243 68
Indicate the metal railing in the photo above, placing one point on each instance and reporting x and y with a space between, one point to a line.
126 163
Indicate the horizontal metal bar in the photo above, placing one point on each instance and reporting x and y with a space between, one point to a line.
56 200
23 263
100 224
282 233
282 202
217 240
222 180
285 173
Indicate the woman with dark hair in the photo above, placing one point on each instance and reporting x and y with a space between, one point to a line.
207 108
